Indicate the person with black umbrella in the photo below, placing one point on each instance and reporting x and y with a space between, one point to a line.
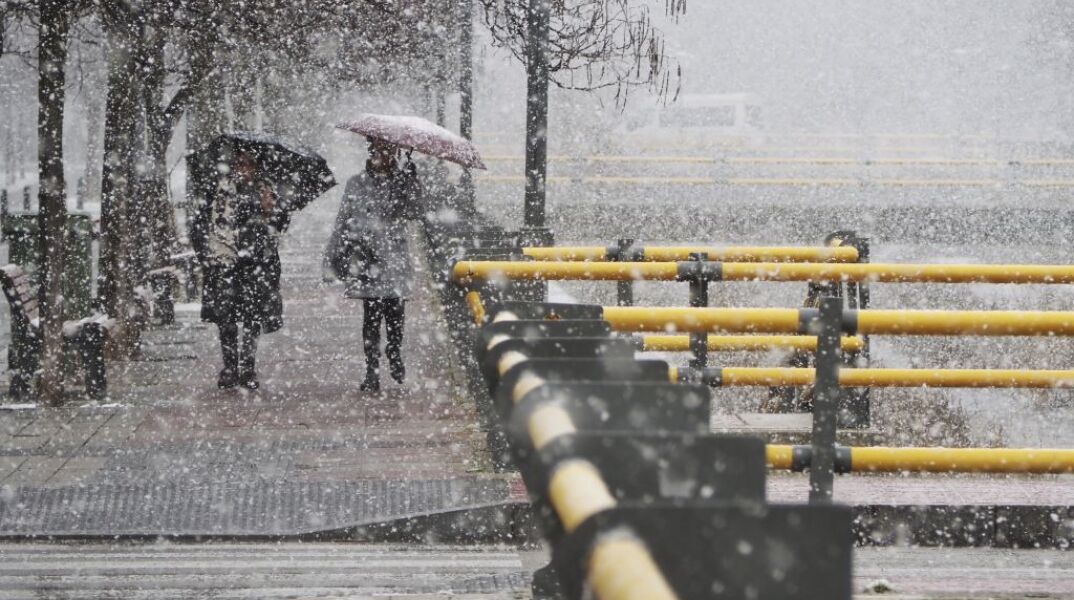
235 234
247 187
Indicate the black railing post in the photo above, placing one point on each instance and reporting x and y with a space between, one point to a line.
624 290
855 411
3 213
826 398
466 102
538 16
534 231
699 298
26 198
80 194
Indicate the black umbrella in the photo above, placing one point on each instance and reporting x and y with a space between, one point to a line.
300 174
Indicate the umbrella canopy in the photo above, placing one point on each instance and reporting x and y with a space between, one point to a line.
300 174
416 133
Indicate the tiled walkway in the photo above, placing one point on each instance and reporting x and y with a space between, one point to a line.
169 453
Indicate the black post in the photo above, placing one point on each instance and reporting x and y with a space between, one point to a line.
534 231
826 398
466 98
26 199
3 212
624 290
80 194
855 412
699 298
537 16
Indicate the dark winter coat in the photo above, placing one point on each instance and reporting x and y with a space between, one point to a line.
239 252
368 249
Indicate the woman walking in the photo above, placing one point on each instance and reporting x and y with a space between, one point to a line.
235 234
368 250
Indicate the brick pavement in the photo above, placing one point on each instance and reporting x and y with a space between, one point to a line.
170 453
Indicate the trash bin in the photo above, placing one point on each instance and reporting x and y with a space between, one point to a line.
21 231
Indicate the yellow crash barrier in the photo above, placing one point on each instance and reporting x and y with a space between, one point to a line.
972 322
717 343
477 307
736 254
698 320
865 322
620 565
469 271
957 378
585 269
967 460
897 273
933 460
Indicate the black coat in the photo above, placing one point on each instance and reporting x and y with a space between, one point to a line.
239 253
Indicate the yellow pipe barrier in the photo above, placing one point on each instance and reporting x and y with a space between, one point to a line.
470 271
898 273
962 460
880 459
477 307
779 456
736 254
697 320
877 322
940 378
980 322
725 343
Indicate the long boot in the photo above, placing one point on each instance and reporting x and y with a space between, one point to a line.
248 361
371 318
229 348
393 323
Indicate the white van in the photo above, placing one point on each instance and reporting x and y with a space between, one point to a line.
695 119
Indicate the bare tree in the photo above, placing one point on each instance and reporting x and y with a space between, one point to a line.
594 44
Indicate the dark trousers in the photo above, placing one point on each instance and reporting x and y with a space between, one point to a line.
390 311
239 358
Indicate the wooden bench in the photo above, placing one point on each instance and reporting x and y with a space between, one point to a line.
87 336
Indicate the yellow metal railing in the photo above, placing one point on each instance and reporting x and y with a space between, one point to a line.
725 343
470 271
865 322
939 378
737 254
936 460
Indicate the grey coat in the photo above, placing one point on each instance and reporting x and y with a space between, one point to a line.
368 249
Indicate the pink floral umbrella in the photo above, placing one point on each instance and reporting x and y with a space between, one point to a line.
418 134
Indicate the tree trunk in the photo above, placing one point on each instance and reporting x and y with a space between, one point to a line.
205 119
242 92
118 179
52 199
156 218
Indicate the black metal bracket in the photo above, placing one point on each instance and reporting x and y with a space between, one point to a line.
828 328
699 298
621 252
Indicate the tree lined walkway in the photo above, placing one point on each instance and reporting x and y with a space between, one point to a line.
170 453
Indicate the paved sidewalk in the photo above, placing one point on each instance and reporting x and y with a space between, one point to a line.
169 453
